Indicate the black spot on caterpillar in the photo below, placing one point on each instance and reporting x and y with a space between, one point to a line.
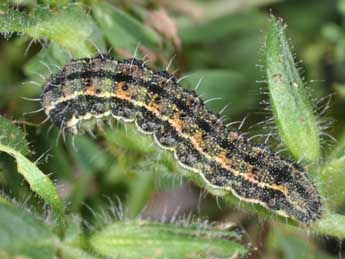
179 121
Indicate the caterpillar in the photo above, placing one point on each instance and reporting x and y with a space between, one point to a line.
96 88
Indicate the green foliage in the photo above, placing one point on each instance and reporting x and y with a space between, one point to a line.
220 43
24 235
12 137
221 84
293 112
53 54
121 30
39 182
332 176
142 239
62 26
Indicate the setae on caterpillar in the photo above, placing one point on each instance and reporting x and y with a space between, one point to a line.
95 88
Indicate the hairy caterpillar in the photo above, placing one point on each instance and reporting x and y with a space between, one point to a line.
178 119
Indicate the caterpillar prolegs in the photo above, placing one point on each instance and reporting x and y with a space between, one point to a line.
178 119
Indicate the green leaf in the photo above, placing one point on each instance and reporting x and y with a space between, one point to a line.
332 175
292 109
133 239
128 138
292 244
140 191
39 182
227 85
24 235
12 137
71 245
89 155
122 30
331 224
70 27
47 61
72 252
223 7
92 160
212 30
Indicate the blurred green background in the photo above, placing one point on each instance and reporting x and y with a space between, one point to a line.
220 41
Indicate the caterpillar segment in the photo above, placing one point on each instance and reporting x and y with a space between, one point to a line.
179 121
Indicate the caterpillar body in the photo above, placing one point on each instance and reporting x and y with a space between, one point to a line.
178 119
